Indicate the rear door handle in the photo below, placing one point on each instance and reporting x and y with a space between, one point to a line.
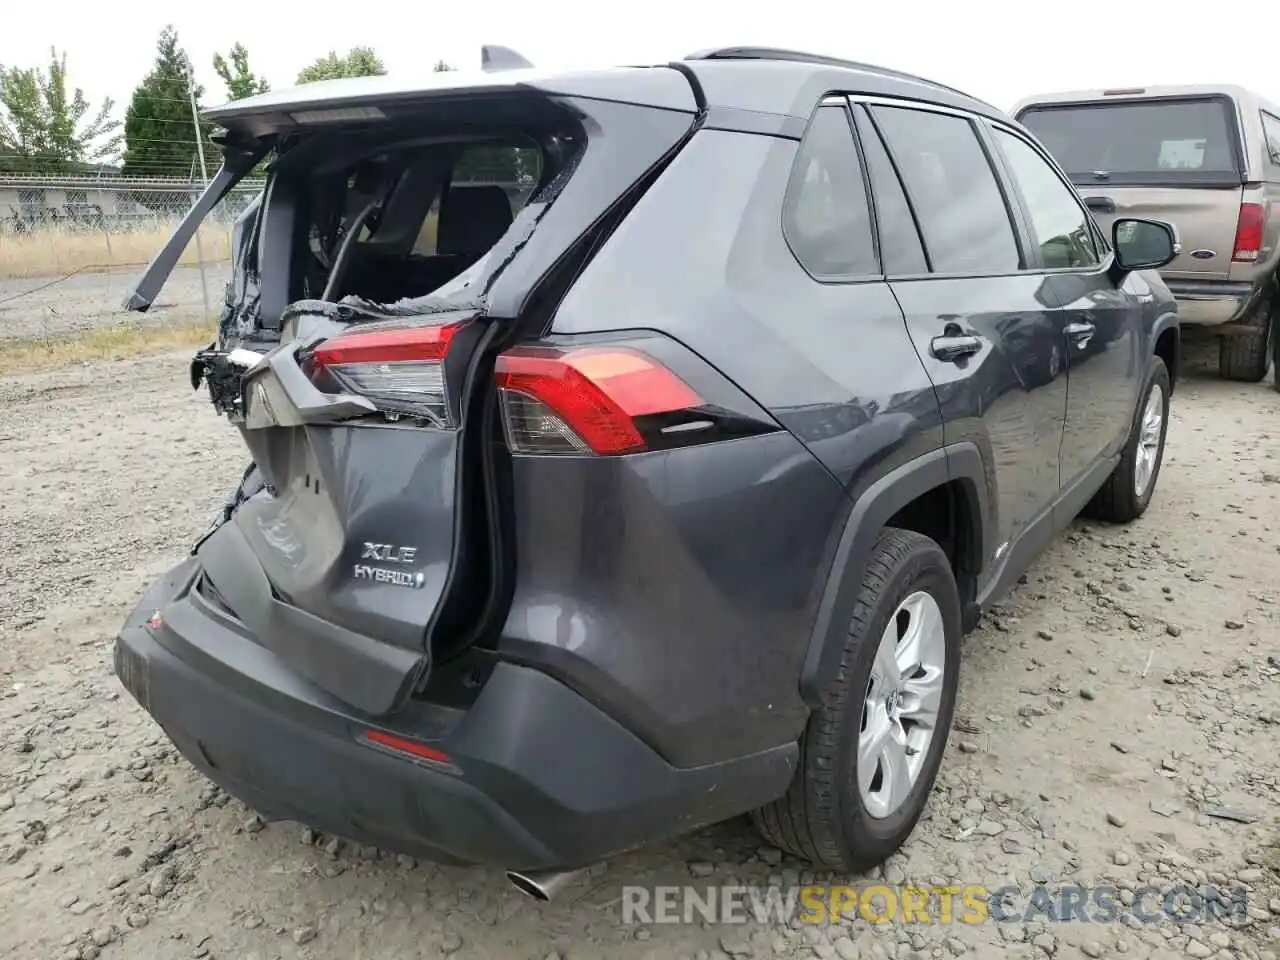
1080 333
952 348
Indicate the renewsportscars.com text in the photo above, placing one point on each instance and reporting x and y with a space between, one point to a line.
959 903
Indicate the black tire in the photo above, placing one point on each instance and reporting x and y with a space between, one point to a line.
1275 350
1047 367
1118 501
822 817
1246 358
250 483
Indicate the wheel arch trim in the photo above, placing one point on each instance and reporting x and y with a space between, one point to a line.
871 511
1168 321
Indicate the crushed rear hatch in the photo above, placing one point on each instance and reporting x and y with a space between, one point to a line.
401 238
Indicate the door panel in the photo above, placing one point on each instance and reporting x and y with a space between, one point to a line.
1009 394
1103 365
1099 321
1010 397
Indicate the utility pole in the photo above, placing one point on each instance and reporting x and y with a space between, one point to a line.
204 175
195 119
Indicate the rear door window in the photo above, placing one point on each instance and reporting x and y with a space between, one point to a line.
1060 224
900 247
953 189
1139 143
826 217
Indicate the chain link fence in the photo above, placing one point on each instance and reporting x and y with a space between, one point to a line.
71 248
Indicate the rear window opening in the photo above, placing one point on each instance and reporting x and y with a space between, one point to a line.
1142 142
406 213
418 220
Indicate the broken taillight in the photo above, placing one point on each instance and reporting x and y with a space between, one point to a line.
399 367
587 400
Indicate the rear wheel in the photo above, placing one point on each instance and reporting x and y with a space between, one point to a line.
1275 349
1247 357
870 754
1128 491
250 483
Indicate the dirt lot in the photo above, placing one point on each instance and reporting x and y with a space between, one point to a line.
1119 720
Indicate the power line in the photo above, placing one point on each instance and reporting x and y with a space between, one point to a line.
48 153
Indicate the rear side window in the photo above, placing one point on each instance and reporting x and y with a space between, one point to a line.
900 248
1271 131
1139 142
953 189
826 217
1059 222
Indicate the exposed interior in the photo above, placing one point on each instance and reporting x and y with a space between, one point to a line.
402 211
1142 142
406 221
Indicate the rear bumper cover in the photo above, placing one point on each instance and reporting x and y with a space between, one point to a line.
1211 302
542 779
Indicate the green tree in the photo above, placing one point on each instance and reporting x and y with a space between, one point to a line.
241 82
42 126
357 62
159 135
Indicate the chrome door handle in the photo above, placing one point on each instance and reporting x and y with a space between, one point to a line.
951 349
1081 333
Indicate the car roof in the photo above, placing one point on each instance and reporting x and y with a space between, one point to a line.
788 82
756 79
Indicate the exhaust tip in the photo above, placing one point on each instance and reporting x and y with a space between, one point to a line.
528 886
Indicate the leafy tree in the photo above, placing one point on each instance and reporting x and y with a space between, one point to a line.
41 125
357 62
241 82
159 136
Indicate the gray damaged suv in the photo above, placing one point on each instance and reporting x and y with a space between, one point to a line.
631 450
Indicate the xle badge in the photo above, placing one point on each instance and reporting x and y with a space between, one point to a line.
389 553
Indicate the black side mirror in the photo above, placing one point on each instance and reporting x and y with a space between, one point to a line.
1144 244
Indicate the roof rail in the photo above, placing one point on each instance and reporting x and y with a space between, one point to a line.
817 59
494 58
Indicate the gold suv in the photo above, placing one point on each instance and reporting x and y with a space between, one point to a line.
1204 158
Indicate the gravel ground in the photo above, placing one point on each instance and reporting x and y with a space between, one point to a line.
54 307
1118 722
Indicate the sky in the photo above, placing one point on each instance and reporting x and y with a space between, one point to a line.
998 50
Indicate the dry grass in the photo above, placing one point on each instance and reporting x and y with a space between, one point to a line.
55 252
107 343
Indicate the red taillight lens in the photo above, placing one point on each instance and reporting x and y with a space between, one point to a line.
400 367
1249 233
585 400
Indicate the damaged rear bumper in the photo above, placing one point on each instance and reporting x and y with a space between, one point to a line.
222 372
535 776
